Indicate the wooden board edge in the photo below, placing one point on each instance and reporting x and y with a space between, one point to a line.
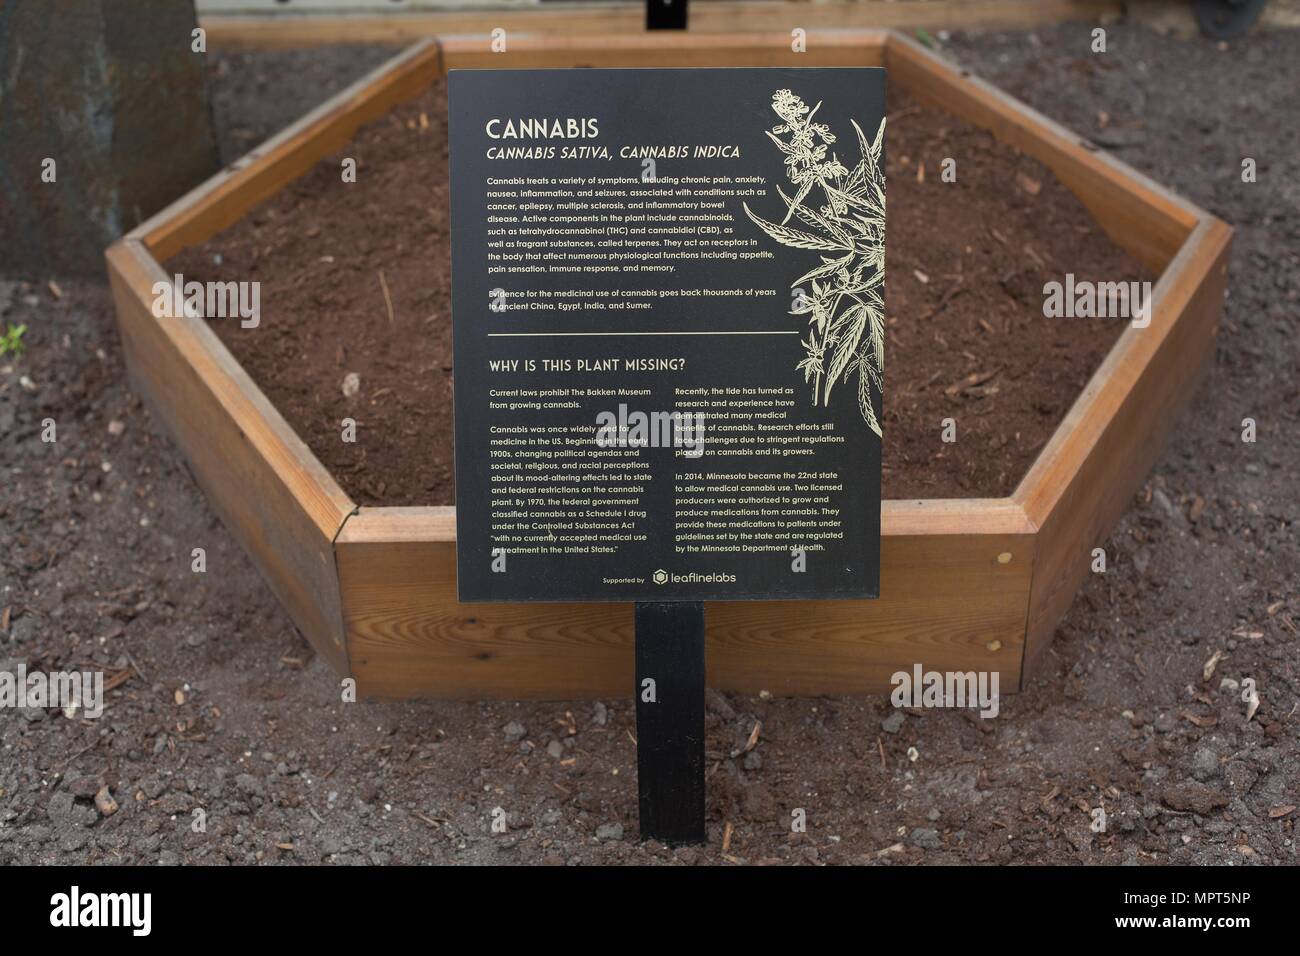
235 32
825 47
1139 214
391 525
1117 427
1076 437
567 44
207 355
409 637
905 517
194 351
230 194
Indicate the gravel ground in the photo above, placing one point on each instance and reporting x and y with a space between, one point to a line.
220 707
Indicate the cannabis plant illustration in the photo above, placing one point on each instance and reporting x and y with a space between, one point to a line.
846 308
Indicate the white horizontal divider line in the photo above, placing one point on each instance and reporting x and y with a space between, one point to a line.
515 335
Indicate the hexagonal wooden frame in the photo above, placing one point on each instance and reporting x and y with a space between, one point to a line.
966 584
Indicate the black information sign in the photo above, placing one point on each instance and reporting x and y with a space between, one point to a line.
669 333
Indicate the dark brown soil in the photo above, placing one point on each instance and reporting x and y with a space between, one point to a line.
968 340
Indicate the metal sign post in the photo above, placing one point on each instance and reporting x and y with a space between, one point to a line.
665 14
670 721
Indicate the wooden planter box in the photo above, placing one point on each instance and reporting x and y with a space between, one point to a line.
966 584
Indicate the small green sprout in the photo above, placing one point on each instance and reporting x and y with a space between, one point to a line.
12 340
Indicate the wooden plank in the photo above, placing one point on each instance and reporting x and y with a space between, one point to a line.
275 497
228 32
1086 476
947 601
408 636
1139 215
827 48
226 197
